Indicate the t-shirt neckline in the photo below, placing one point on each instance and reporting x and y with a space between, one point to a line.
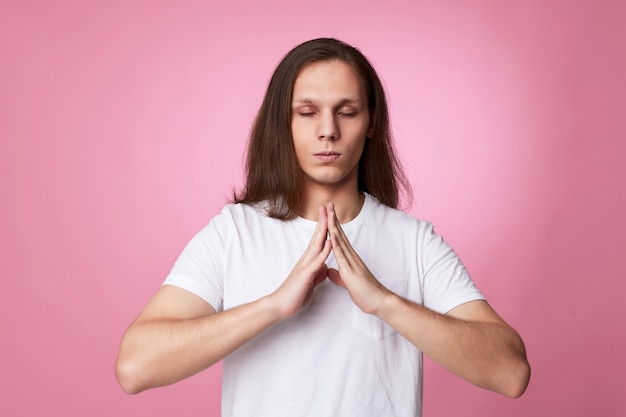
360 217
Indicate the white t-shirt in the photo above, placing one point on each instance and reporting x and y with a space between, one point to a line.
330 359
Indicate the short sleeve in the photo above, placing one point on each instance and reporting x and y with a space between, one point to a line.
200 268
447 283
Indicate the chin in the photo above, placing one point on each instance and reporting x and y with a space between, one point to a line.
327 181
331 178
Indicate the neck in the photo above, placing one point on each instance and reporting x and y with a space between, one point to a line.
348 202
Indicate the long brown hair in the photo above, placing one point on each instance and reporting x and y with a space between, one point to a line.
271 168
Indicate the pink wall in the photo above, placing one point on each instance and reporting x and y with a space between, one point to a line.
122 127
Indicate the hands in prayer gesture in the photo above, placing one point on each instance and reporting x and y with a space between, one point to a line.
311 269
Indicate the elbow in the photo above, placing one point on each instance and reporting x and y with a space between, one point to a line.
129 376
515 374
517 379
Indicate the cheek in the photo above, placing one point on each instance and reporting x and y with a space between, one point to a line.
294 135
297 133
299 150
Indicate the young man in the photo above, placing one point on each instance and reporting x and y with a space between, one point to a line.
316 292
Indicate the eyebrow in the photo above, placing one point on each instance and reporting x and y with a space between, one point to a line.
344 101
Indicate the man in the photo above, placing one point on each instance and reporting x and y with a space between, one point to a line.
336 327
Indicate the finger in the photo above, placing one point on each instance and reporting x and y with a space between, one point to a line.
335 277
321 230
334 224
323 255
338 249
341 241
321 276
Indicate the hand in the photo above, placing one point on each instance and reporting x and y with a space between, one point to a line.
309 272
364 289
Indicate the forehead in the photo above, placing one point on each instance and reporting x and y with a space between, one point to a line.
328 81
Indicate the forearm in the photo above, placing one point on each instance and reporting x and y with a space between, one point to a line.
488 354
159 352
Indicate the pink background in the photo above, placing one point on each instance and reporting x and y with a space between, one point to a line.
123 125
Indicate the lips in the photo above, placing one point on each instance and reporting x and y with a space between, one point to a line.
327 156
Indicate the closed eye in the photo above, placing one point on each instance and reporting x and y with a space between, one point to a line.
347 111
306 111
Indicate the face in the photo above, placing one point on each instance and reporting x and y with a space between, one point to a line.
329 123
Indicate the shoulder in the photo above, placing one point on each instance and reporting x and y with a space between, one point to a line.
381 214
242 211
231 218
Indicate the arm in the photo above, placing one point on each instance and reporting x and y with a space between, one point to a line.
471 340
179 334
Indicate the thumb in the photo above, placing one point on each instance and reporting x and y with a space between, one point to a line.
335 277
321 276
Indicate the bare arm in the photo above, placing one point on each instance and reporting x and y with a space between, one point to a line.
471 340
178 334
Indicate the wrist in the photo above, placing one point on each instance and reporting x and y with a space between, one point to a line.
388 303
271 308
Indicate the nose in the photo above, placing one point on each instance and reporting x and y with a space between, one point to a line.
328 129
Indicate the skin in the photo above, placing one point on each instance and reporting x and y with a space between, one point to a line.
178 334
330 115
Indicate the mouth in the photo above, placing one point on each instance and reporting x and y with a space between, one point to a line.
327 156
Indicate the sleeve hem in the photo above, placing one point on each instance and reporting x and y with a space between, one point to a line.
444 308
193 287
